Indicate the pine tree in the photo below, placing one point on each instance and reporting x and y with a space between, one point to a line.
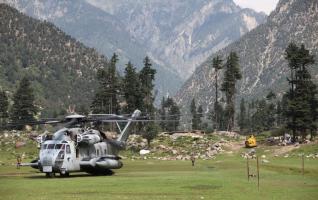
23 108
193 110
217 65
270 111
242 116
163 113
171 112
174 113
106 97
146 77
231 75
200 116
114 85
301 104
131 89
151 131
4 103
101 102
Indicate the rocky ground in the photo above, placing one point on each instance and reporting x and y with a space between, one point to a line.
177 146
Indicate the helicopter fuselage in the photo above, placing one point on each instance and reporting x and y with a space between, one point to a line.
91 155
77 149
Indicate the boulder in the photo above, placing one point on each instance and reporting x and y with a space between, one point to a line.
252 152
265 161
144 152
174 152
19 144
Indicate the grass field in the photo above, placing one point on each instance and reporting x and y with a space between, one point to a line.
222 178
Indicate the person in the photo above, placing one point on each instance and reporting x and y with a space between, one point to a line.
18 161
192 159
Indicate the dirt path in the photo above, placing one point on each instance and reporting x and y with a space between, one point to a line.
235 146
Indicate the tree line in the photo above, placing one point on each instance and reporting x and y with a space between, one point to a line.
294 112
115 94
223 114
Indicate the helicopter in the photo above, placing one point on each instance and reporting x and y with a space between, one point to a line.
76 148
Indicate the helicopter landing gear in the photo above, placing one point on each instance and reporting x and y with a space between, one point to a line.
65 174
49 175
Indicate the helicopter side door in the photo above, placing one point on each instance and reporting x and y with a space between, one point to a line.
70 161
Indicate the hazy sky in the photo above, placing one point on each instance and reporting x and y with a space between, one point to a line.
259 5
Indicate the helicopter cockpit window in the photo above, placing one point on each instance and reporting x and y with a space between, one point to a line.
68 149
44 146
50 146
58 146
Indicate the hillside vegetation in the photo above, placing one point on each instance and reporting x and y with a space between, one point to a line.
61 69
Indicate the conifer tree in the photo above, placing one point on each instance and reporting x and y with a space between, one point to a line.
23 108
114 84
131 89
151 131
231 75
101 102
301 106
193 110
4 103
169 111
217 65
146 77
242 116
163 113
106 96
200 116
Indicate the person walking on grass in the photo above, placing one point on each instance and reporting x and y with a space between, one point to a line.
192 159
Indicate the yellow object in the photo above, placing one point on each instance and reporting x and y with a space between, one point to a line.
250 142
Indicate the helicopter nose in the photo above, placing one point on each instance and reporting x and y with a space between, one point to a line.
47 160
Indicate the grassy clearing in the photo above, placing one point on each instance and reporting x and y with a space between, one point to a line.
222 178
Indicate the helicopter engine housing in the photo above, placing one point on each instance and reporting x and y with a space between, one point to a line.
88 138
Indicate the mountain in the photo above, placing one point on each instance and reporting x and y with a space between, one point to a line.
177 35
62 70
99 30
261 54
182 33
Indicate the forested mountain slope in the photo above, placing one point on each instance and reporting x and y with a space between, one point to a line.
62 70
262 55
177 35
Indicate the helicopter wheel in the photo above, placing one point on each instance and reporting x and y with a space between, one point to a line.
108 172
50 175
66 174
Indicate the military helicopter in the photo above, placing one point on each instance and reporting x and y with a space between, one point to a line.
76 148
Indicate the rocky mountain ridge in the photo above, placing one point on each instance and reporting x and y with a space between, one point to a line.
261 54
181 34
177 34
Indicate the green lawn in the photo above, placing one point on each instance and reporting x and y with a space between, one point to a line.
222 178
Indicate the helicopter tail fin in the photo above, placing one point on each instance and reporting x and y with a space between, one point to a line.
124 133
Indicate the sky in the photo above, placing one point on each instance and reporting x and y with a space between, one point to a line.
259 5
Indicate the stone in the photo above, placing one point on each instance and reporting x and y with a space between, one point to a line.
174 152
19 144
223 140
252 152
144 152
265 161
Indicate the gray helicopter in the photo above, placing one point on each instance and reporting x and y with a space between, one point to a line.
75 148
